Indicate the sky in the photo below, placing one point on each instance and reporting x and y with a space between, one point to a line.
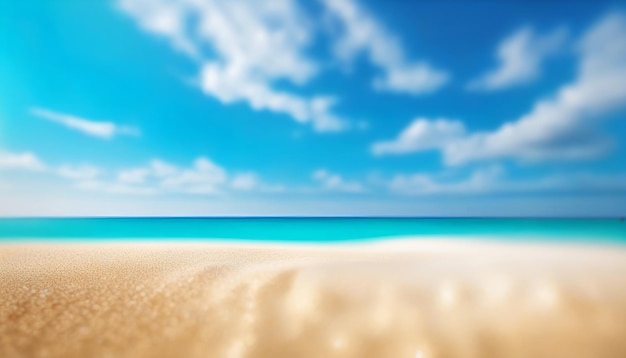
312 107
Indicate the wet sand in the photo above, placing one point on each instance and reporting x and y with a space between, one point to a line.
394 299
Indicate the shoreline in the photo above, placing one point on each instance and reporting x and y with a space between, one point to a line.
414 240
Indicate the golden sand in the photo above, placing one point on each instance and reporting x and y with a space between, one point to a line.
398 299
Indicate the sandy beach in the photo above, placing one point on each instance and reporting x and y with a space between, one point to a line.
401 298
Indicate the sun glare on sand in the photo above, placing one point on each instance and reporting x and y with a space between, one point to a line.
410 299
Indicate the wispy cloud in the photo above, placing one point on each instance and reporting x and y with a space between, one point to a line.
81 172
20 161
334 182
202 177
115 188
520 59
28 161
254 44
482 180
560 127
494 180
422 134
362 33
98 129
205 178
245 181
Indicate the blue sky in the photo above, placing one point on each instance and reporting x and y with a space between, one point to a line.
321 107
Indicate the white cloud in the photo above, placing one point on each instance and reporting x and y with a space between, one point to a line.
334 182
83 172
251 182
422 134
103 130
202 177
133 176
21 161
520 59
253 45
245 182
115 188
480 181
493 179
560 127
31 162
156 169
362 33
165 18
161 169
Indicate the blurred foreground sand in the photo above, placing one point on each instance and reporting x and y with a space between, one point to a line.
396 299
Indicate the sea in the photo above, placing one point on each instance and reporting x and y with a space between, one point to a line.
310 229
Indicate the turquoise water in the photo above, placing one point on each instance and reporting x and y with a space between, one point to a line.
308 229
